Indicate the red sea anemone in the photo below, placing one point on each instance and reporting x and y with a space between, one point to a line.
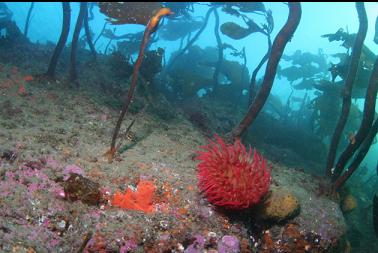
230 176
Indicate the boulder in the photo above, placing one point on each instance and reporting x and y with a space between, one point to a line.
280 205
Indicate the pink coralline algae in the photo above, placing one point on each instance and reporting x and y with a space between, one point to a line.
128 246
104 117
229 244
52 163
31 194
72 169
197 246
30 179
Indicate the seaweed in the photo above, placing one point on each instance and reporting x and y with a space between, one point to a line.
88 34
75 37
27 22
150 28
364 136
62 40
347 94
278 46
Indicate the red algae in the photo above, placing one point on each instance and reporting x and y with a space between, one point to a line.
139 200
28 78
21 90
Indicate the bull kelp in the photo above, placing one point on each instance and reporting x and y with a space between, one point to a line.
188 127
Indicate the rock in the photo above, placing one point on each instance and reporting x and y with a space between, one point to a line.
8 155
290 239
349 203
22 249
78 187
229 243
280 205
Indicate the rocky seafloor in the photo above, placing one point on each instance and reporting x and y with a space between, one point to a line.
48 132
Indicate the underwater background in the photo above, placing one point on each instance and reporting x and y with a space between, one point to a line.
176 177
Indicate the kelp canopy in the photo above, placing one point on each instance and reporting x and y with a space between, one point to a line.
129 12
236 31
181 29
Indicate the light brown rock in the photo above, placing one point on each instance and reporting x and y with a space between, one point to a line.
280 205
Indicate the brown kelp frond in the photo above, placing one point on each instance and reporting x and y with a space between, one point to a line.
119 13
139 14
277 49
347 94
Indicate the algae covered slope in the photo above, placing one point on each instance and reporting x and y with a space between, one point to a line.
54 132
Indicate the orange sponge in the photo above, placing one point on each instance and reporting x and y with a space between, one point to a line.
139 200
